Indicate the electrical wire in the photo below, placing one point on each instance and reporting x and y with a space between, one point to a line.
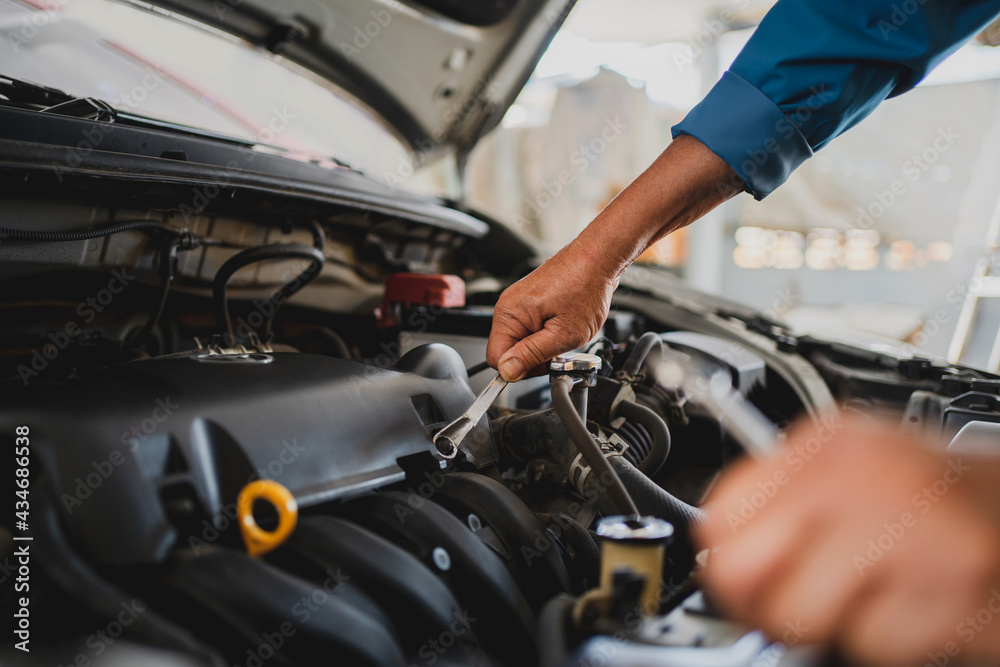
177 240
66 236
150 227
168 258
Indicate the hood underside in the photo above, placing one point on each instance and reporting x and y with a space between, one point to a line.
441 73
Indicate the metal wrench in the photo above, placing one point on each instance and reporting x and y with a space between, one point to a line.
451 436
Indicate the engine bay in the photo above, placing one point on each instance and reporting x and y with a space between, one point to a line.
151 418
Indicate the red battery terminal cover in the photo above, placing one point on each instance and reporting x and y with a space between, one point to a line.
406 290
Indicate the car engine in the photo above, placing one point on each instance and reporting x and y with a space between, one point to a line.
240 488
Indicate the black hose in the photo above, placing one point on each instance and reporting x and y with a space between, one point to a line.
304 278
646 343
650 499
260 254
586 562
478 368
640 442
600 467
640 414
319 235
86 234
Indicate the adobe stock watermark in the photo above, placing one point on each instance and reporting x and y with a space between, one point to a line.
899 14
86 485
967 630
87 310
34 21
303 610
784 300
935 323
796 456
712 29
417 321
433 649
97 132
923 503
580 159
203 195
263 309
102 639
228 516
364 35
912 170
784 130
483 93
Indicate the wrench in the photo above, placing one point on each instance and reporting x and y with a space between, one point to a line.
451 436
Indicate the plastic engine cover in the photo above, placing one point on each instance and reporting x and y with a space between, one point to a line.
118 448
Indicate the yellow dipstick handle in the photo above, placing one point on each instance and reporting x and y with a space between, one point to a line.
258 540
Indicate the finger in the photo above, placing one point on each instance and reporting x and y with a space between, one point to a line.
533 351
917 614
889 627
809 599
506 331
724 499
753 556
747 490
501 340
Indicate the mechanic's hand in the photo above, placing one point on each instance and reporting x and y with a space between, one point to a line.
558 307
858 537
565 301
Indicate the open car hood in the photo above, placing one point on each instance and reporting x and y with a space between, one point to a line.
441 73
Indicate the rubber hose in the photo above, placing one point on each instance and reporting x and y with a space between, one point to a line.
657 428
600 467
640 442
283 294
588 554
650 499
478 368
646 343
260 254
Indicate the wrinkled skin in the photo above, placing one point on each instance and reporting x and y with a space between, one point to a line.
563 304
557 308
858 537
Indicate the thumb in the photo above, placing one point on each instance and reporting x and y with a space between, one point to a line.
531 352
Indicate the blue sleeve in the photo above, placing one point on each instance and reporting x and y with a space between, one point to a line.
815 68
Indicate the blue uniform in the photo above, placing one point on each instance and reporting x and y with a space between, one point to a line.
815 68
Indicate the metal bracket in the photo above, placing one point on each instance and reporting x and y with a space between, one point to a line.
579 471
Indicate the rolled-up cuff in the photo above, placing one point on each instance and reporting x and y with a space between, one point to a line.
741 125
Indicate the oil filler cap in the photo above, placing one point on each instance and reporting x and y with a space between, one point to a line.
578 365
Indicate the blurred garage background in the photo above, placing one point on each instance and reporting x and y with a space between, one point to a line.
838 248
880 234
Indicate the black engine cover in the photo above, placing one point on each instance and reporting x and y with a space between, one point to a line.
140 435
